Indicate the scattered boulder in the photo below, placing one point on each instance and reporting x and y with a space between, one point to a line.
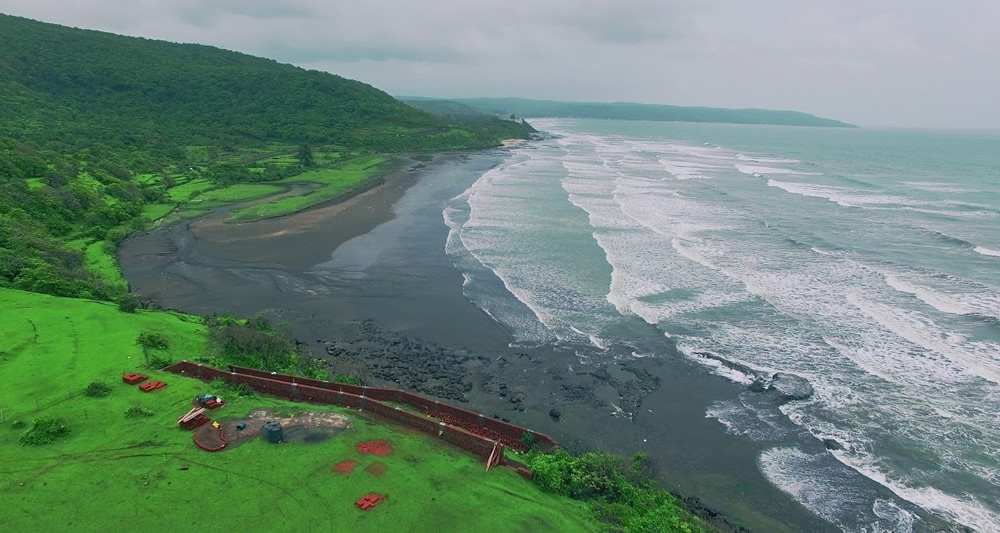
555 414
786 387
832 444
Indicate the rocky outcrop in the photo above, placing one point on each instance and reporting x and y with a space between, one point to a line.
786 388
783 387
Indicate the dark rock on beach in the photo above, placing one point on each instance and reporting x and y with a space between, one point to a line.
832 444
789 387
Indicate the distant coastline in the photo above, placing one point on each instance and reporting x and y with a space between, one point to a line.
527 108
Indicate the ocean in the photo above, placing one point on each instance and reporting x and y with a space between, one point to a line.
865 261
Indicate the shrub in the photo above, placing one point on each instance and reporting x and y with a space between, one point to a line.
17 424
157 362
129 303
97 389
528 439
617 489
136 411
43 430
348 380
243 390
153 341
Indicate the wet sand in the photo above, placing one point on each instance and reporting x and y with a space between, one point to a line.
367 284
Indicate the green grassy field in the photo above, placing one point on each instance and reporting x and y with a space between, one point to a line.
334 182
185 192
115 472
240 192
154 212
99 260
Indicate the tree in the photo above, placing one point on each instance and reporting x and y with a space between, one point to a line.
305 156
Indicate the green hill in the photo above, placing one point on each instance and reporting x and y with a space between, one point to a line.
123 459
630 111
102 134
92 85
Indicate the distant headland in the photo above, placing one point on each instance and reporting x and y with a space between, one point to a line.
621 111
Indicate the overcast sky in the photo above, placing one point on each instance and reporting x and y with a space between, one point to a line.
895 63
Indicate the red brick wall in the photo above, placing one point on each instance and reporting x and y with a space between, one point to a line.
467 419
337 394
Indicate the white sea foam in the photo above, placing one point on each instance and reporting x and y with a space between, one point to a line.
976 357
722 278
981 299
717 367
827 491
936 186
766 160
686 170
744 418
986 251
755 170
964 510
842 196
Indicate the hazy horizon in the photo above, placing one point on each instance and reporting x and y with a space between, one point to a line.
890 64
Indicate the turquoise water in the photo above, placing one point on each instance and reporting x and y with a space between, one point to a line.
867 262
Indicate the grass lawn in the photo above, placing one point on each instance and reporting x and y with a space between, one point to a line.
115 472
184 192
237 193
335 182
155 212
98 260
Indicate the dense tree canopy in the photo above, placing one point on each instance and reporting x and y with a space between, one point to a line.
144 93
84 114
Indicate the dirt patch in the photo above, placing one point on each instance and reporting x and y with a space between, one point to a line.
345 467
377 469
380 448
210 438
304 428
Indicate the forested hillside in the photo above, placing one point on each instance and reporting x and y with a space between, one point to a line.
101 134
140 92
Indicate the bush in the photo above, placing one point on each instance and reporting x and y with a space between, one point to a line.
617 489
255 343
157 362
136 411
243 390
44 430
129 303
97 389
153 341
348 380
528 439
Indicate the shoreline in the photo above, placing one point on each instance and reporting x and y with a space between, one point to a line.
371 273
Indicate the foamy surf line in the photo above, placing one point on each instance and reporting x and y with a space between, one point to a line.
757 170
984 301
966 511
679 253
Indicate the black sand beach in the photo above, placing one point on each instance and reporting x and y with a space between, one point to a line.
367 284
